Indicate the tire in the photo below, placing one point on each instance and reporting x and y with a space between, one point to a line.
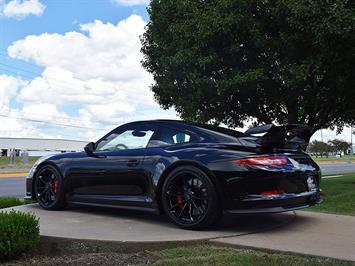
49 188
189 198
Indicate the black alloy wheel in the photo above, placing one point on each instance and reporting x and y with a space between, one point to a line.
189 198
49 188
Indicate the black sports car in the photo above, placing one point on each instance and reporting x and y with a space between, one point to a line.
191 172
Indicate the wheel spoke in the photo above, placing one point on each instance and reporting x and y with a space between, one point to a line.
51 191
199 198
42 193
41 180
193 203
186 183
192 183
177 204
190 212
47 197
182 210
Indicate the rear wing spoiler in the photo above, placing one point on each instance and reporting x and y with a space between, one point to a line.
293 136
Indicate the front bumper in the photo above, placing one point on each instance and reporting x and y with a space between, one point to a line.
277 203
29 193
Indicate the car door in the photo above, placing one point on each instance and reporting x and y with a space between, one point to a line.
116 174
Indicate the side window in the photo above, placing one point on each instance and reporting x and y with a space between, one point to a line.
169 136
127 139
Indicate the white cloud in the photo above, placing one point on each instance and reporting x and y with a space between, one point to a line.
96 69
132 2
8 89
22 8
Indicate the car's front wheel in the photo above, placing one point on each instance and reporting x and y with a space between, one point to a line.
190 199
49 188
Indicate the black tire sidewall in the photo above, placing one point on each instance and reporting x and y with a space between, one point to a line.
60 199
212 212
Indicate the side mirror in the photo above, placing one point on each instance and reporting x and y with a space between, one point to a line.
89 149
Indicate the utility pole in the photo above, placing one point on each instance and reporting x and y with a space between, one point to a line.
321 135
351 140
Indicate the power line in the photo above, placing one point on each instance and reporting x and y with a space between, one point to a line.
37 74
68 119
48 78
40 80
53 123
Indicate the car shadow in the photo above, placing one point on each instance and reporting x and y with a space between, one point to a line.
229 223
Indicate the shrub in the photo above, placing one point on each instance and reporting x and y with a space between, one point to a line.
19 232
10 202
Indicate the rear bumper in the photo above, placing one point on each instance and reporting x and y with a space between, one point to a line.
277 203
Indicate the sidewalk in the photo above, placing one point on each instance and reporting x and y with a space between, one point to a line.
326 235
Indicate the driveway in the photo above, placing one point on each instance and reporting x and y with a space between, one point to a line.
318 234
301 232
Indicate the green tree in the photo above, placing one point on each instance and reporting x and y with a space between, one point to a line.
230 61
320 148
340 146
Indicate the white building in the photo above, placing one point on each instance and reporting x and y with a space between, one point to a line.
39 147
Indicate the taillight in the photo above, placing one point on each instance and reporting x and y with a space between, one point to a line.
273 192
263 160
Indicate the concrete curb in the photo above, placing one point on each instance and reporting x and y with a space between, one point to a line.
9 175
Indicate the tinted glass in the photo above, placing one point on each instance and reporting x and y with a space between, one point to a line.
133 138
169 136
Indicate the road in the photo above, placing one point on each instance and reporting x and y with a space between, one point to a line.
15 186
337 168
12 187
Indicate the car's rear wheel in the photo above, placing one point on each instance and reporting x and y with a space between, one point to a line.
49 188
189 198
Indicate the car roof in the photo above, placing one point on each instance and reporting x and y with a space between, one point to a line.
209 132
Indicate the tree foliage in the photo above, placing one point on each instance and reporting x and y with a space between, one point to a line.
230 61
333 146
340 146
320 148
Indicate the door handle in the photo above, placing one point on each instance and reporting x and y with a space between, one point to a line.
132 163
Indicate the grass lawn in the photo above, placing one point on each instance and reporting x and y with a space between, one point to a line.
8 202
212 255
4 162
345 158
338 194
186 255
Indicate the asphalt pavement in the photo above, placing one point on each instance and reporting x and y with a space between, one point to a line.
337 168
13 187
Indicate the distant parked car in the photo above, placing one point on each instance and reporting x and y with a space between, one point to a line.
191 172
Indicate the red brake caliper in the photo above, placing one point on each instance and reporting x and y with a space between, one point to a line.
179 200
56 185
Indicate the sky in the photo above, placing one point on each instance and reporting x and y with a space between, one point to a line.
75 65
71 69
